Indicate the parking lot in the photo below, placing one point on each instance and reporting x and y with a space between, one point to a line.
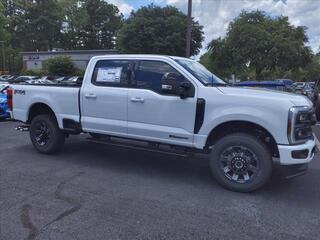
92 191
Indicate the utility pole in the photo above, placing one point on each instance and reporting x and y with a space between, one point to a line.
3 56
189 25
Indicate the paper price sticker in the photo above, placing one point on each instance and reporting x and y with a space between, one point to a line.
109 74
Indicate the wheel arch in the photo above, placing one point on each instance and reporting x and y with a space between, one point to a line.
241 126
38 109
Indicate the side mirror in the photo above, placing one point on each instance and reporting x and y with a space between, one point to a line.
170 83
184 89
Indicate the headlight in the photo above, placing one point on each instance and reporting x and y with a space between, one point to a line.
300 120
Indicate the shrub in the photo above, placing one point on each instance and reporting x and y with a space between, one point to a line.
79 73
60 66
34 72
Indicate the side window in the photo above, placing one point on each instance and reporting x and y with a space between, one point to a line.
148 75
112 73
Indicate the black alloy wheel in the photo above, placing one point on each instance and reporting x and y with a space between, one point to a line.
45 134
241 162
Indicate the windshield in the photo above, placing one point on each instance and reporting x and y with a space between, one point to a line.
3 87
200 72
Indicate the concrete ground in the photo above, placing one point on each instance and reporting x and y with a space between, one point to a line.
92 191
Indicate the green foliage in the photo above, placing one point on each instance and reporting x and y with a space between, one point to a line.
90 24
3 22
79 72
59 66
33 72
36 24
260 44
158 30
70 24
206 61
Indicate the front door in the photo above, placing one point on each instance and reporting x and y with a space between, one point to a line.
157 116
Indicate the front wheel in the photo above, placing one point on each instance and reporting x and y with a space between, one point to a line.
241 162
45 134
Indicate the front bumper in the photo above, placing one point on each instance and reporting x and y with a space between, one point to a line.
4 115
286 153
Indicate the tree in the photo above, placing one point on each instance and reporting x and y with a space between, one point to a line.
42 24
262 44
90 24
158 30
15 12
3 22
103 22
59 66
75 18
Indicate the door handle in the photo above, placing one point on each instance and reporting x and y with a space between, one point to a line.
137 100
90 95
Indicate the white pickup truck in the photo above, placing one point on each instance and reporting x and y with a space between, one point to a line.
174 104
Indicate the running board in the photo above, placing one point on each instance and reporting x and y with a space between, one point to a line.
151 147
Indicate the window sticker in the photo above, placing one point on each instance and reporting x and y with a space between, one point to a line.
109 74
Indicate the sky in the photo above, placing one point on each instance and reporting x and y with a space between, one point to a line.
215 15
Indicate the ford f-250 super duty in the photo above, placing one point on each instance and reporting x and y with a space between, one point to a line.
174 104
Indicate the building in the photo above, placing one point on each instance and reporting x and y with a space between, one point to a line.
80 58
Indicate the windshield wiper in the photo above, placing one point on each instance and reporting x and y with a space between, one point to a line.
217 84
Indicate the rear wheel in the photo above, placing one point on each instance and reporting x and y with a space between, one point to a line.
241 162
45 134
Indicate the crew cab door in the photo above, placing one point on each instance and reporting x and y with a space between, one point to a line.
104 99
155 113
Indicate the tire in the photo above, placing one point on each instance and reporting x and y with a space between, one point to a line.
45 134
241 162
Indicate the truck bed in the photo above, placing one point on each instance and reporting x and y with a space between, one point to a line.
63 100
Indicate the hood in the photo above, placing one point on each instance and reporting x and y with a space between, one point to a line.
295 99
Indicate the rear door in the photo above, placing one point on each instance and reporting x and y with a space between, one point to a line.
154 115
104 99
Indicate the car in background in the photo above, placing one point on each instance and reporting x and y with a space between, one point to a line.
288 84
3 78
42 80
308 91
299 86
11 78
312 84
22 79
305 88
73 80
4 113
316 98
274 85
61 79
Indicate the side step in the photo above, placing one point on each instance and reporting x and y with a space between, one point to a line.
141 146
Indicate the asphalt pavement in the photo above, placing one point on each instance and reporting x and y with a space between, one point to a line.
92 191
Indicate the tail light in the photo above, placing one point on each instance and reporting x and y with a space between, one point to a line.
9 98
